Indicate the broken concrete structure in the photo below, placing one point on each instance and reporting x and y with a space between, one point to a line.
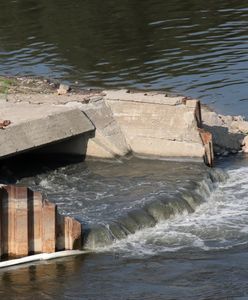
33 126
107 125
156 125
30 224
102 125
112 124
146 125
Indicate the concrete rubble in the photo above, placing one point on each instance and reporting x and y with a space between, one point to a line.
229 132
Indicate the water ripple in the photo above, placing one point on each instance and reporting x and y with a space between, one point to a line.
199 52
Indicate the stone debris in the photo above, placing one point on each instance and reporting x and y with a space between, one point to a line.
229 132
63 89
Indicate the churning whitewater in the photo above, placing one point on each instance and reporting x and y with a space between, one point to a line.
146 207
219 223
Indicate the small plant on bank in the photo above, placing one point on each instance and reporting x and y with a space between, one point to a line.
5 84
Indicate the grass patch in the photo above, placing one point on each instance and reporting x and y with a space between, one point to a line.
5 84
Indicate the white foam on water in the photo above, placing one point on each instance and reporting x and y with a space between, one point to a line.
219 223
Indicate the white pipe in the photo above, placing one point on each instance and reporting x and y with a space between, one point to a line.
38 257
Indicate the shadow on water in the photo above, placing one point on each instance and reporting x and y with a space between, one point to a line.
13 169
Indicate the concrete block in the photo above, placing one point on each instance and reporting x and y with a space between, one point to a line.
157 126
97 150
109 141
145 97
33 126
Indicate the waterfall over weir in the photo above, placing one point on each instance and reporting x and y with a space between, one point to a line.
114 201
159 208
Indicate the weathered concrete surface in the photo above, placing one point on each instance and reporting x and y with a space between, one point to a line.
229 132
29 224
51 98
145 124
33 126
156 125
109 140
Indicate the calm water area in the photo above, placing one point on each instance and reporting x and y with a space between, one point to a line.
194 48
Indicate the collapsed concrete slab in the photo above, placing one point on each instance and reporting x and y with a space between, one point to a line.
33 126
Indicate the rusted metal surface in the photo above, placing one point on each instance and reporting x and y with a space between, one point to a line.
207 141
30 225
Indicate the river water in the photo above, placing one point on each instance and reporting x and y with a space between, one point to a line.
155 230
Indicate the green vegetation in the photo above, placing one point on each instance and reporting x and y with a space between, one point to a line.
5 84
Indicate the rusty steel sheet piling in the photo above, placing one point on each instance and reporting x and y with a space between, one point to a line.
30 224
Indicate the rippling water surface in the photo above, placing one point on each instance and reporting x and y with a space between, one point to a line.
198 48
197 253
